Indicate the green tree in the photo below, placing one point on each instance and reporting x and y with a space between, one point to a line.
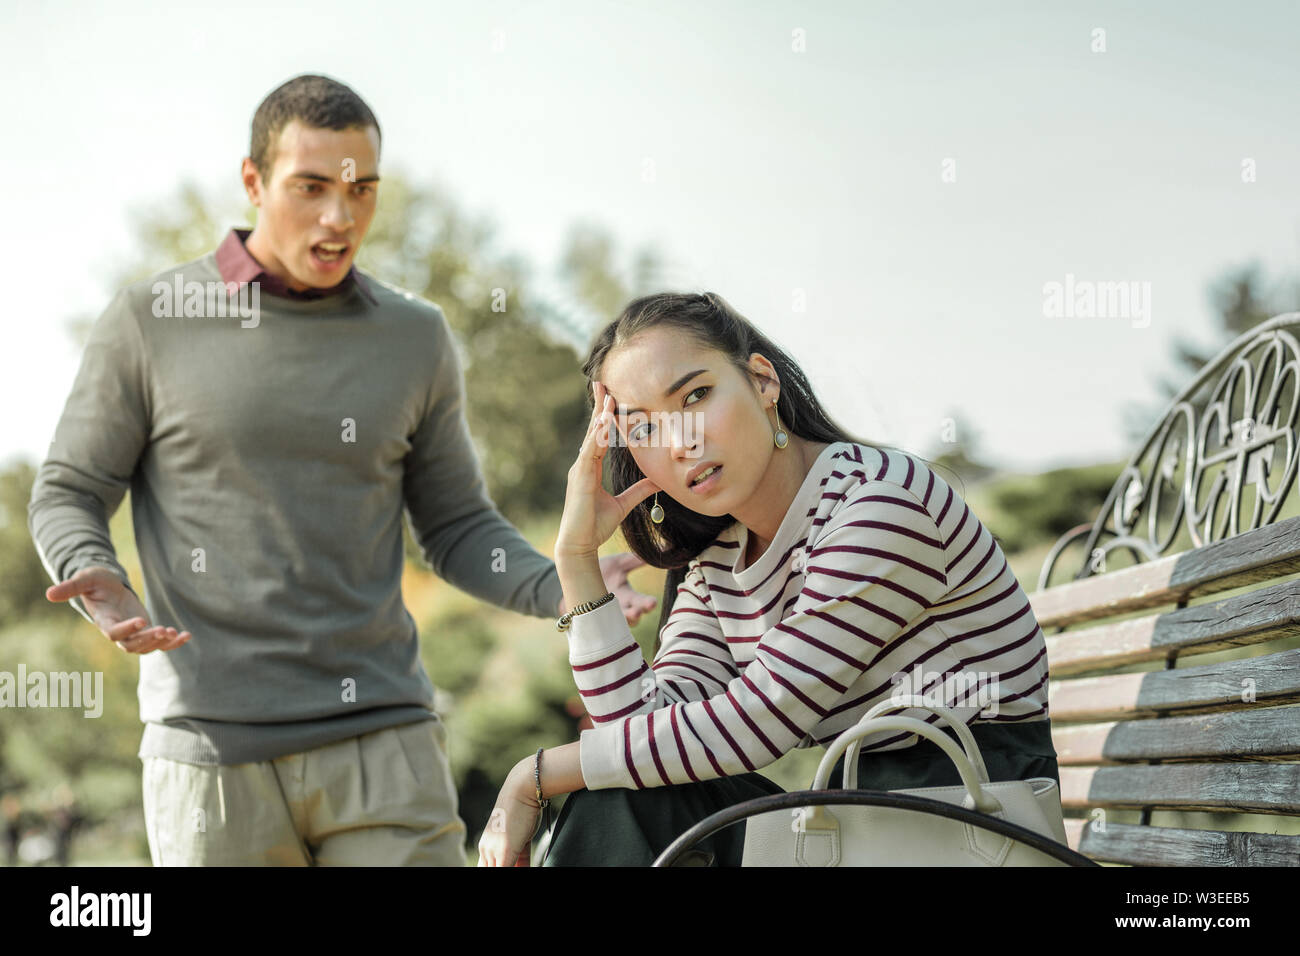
1241 301
592 273
22 577
958 450
1038 508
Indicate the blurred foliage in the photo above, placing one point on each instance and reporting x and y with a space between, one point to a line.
1032 508
958 451
458 649
22 578
590 269
52 757
1242 300
526 403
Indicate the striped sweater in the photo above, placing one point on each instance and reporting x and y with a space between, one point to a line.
879 581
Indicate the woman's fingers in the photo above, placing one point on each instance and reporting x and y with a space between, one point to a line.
634 495
593 447
598 396
491 853
587 506
603 425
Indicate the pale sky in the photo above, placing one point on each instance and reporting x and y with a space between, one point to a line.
779 173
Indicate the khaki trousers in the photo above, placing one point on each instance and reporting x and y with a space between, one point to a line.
385 798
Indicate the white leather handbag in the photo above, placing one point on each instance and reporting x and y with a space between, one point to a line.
829 834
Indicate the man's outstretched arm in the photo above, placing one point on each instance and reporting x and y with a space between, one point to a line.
100 437
461 534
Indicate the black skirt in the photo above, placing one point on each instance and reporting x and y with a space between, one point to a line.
624 827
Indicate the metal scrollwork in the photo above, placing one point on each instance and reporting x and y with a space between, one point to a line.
1233 427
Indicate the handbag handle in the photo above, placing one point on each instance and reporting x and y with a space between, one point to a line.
893 799
914 701
975 796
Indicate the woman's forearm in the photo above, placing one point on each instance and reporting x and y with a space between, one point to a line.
582 581
561 772
580 578
514 818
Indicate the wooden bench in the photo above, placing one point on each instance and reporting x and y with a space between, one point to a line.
1174 706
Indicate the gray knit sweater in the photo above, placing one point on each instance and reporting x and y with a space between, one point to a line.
269 462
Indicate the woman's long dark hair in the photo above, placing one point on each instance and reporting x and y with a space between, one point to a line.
716 325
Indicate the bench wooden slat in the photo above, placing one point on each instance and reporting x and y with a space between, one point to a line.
1259 555
1172 846
1252 618
1189 690
1215 787
1263 733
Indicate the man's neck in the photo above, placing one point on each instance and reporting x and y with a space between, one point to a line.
260 250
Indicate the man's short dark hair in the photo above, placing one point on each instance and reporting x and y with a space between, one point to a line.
313 100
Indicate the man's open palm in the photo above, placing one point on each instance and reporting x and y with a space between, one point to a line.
116 611
614 569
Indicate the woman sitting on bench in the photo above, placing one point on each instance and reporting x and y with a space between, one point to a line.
810 575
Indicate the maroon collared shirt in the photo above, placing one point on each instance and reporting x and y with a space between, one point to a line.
237 264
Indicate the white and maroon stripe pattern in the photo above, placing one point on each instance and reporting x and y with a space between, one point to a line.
886 569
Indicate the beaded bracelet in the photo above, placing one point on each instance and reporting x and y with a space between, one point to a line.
537 779
543 803
563 623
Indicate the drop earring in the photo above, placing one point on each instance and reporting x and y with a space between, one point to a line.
657 513
780 439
